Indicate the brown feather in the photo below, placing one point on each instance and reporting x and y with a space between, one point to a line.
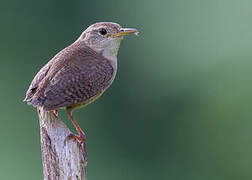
74 75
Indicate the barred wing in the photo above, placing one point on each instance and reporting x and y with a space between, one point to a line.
77 82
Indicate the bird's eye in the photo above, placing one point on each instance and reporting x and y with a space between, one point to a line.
103 31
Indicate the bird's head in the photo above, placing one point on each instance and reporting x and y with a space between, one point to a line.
105 37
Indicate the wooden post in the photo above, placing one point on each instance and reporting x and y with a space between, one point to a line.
63 158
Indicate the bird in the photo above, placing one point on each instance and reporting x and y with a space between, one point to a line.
80 73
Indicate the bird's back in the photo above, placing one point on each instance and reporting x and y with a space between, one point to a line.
76 75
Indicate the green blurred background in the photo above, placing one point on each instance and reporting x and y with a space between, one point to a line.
179 108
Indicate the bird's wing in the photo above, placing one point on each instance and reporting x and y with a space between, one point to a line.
77 82
74 75
36 80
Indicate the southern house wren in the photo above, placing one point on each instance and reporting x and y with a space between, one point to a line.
80 73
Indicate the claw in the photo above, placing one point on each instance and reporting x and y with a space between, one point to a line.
81 140
38 110
81 137
56 113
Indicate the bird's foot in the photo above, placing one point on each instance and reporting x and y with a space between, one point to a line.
82 140
56 113
38 110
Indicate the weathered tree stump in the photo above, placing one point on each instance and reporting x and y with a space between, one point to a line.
63 158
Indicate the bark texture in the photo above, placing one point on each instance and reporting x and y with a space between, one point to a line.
63 158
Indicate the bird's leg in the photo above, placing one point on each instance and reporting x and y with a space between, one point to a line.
38 111
55 112
81 137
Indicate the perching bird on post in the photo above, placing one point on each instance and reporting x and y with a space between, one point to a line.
80 73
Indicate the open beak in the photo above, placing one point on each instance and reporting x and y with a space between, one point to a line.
124 31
